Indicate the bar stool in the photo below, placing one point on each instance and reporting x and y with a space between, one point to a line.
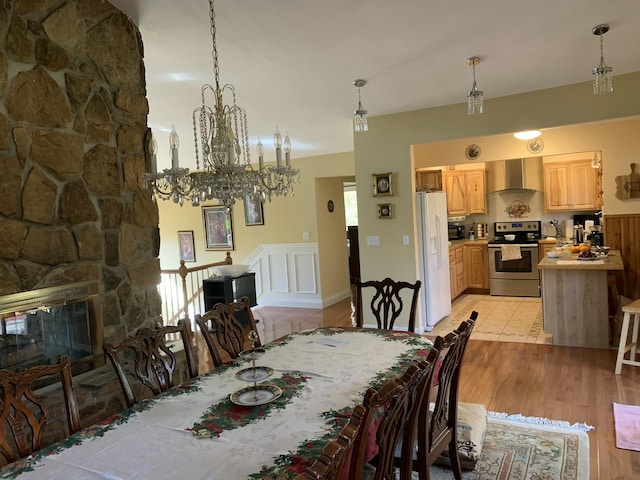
633 309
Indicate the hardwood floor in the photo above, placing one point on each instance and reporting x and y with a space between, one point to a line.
559 383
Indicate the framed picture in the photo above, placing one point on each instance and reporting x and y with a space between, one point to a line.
384 210
381 184
218 227
186 246
253 212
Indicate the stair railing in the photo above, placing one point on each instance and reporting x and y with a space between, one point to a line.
181 291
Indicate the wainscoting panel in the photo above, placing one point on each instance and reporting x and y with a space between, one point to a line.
278 272
287 275
305 273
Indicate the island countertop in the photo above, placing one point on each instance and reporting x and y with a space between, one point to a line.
569 261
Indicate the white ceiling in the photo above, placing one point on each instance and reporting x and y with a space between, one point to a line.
293 62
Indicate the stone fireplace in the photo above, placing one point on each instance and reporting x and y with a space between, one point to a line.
74 211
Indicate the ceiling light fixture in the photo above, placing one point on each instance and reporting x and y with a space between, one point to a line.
360 115
527 134
475 97
602 79
220 136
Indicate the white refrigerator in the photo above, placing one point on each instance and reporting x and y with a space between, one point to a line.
433 255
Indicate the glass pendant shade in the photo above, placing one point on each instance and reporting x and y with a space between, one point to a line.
602 78
475 97
360 115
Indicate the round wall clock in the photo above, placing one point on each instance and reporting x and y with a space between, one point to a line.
472 152
535 145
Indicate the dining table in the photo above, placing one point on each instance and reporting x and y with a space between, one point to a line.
220 425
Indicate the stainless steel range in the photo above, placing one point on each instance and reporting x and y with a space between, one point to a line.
515 277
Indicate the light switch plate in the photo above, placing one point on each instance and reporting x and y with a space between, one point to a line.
405 239
373 241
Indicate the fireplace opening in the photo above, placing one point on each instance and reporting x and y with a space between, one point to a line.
38 326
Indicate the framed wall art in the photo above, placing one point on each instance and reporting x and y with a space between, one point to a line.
384 210
381 184
218 227
186 246
253 211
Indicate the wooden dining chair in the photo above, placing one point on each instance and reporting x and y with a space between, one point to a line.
437 429
331 463
387 302
396 399
226 328
420 386
154 361
24 414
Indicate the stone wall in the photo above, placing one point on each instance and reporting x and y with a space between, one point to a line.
73 136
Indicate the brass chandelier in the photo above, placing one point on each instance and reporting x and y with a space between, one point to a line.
221 138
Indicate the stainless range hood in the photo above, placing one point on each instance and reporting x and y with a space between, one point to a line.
517 175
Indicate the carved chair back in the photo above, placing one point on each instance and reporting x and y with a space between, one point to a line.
226 329
154 361
24 414
387 303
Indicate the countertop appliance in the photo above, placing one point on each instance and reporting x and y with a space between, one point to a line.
518 277
433 255
456 227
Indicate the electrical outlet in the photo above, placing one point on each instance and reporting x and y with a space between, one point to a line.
306 236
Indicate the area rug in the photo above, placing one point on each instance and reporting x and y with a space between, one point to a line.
627 422
526 448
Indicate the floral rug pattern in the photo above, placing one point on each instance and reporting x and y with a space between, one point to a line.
519 450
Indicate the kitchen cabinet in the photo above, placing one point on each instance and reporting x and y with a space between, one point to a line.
431 178
457 278
476 192
571 186
545 246
477 266
466 191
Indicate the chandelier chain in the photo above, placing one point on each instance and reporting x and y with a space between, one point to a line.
214 51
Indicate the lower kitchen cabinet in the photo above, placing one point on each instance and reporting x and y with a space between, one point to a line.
477 266
458 281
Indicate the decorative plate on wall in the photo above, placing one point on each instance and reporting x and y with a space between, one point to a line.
535 145
472 151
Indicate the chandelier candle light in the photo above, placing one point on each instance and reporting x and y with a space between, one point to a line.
475 97
220 136
602 79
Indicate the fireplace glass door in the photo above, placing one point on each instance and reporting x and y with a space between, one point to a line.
39 337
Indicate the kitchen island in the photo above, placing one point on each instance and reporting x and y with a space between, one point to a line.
575 305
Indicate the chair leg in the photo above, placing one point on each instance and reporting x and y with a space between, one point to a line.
634 336
622 346
455 459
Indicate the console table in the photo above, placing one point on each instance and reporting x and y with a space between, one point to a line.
229 289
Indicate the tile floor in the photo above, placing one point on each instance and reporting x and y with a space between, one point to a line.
505 319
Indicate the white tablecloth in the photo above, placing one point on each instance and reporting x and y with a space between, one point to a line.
153 441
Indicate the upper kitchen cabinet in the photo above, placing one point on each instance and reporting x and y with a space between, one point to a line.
571 185
429 178
466 191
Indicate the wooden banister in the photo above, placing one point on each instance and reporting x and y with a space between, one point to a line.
184 273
